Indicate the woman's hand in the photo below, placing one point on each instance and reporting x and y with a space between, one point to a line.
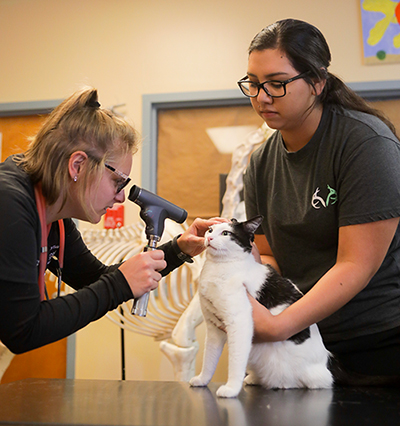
266 325
141 271
191 241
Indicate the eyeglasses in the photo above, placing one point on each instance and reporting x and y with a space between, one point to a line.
126 179
273 88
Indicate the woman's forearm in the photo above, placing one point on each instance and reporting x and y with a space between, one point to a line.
337 287
361 251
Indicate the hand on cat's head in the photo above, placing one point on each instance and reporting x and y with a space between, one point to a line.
191 241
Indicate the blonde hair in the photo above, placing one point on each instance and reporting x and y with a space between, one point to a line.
77 124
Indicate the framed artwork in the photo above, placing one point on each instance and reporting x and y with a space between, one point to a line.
380 21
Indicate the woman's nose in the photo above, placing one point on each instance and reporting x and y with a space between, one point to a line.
263 97
120 196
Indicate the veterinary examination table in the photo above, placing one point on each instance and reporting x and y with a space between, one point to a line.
114 402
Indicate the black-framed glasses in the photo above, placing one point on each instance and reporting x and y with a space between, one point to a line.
124 182
273 88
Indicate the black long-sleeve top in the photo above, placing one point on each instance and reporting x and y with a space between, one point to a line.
26 322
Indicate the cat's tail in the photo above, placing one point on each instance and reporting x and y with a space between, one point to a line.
345 377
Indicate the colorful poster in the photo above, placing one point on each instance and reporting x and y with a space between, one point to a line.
381 31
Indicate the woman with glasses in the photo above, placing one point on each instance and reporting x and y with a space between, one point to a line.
328 185
77 166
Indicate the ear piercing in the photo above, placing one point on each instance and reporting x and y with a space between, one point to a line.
75 178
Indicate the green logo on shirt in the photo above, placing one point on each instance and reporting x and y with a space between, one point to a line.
318 201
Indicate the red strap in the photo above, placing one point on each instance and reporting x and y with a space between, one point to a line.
45 229
62 243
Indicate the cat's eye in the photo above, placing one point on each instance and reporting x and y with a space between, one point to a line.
209 230
226 233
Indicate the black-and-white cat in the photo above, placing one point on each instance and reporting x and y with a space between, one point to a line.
229 272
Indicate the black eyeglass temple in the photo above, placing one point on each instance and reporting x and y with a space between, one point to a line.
110 167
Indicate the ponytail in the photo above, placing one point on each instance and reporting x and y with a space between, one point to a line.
337 93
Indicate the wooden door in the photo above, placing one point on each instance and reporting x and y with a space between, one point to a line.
50 360
190 165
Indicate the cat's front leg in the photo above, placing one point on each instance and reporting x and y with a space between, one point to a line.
214 344
240 334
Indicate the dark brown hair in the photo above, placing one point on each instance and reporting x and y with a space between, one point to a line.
308 51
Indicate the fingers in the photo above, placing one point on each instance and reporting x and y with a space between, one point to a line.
201 225
141 271
158 258
191 241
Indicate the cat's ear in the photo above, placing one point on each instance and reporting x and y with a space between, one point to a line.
252 224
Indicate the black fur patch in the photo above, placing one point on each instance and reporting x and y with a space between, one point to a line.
301 337
281 291
276 289
241 236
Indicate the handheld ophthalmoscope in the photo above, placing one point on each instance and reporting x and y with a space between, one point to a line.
153 210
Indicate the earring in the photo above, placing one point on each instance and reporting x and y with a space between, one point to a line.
75 178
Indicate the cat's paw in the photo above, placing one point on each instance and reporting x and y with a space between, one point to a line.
198 381
251 380
227 391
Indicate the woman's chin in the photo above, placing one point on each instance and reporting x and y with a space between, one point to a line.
95 220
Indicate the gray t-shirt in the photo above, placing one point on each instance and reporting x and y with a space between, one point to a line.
349 173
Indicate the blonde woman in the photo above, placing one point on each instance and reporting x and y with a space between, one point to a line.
77 166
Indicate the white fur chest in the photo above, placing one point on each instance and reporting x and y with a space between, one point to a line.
245 272
224 283
222 277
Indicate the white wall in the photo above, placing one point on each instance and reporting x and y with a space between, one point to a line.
127 48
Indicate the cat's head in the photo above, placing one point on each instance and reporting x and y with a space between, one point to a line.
230 238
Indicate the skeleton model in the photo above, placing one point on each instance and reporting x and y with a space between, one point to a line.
6 357
167 304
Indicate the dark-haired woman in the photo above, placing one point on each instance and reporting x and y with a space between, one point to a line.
328 185
77 166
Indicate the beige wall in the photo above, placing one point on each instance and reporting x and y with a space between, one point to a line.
127 48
